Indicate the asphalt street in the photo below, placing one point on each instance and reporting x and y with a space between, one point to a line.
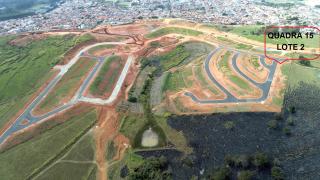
31 119
265 87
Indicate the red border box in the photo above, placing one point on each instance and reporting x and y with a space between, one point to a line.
286 59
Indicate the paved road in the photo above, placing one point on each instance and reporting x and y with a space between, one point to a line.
27 114
265 87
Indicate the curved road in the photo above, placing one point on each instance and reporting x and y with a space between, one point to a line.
27 113
265 87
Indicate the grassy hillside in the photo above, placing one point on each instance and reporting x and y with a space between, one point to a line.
24 160
23 69
256 32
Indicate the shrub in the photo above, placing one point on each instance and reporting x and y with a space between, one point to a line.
245 175
151 168
242 161
221 174
292 109
155 44
132 99
276 173
261 160
290 121
287 131
229 125
278 117
273 124
304 63
276 162
229 160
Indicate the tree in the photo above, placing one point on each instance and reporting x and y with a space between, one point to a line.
261 160
132 99
221 174
245 175
151 169
276 173
273 124
304 62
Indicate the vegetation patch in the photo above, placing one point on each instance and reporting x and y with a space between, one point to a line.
67 86
24 69
107 76
51 145
84 150
101 47
173 30
74 171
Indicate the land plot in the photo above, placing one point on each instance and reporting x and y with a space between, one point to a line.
98 50
25 67
173 30
107 77
67 86
227 76
250 65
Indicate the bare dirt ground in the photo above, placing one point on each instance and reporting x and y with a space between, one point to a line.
24 39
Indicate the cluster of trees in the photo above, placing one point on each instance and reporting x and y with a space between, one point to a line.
247 167
152 169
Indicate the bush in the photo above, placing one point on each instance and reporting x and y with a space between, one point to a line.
229 125
290 121
278 117
287 131
305 63
242 161
273 124
276 173
151 168
132 99
292 109
155 44
260 160
245 175
221 174
229 160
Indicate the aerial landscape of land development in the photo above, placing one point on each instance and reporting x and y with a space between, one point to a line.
173 95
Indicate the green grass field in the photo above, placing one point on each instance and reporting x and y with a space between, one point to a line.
256 32
296 73
30 158
68 170
84 150
171 30
174 57
97 48
175 82
24 69
235 44
95 88
131 125
68 84
179 79
203 81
